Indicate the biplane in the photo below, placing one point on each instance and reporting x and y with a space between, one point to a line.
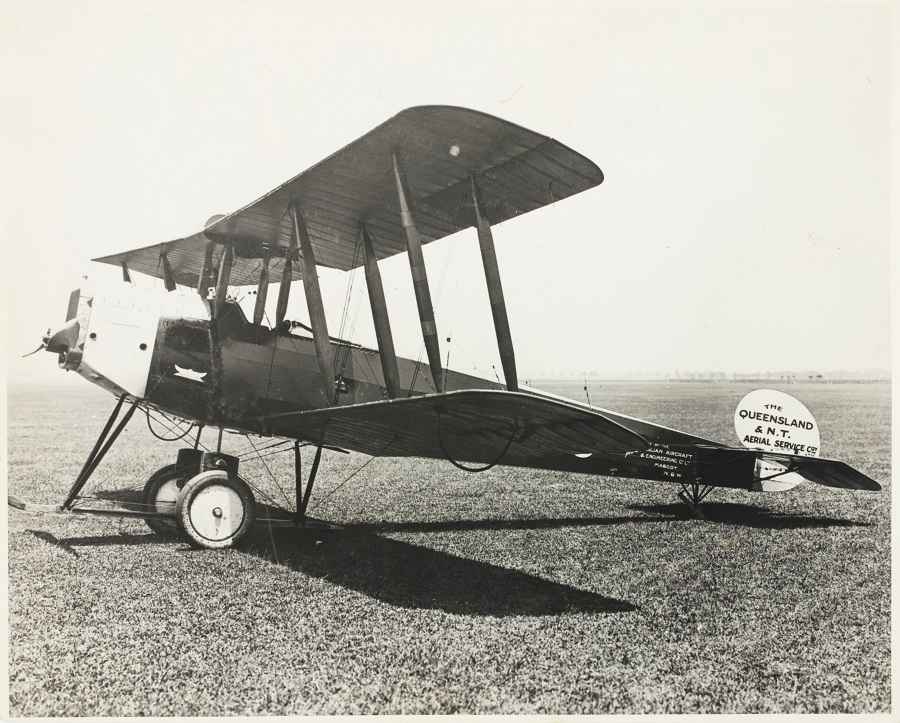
422 175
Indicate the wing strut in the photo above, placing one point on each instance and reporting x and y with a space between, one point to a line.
284 289
204 278
495 292
314 304
168 279
224 277
380 317
262 289
420 278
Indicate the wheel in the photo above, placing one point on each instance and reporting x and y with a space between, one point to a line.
214 509
161 495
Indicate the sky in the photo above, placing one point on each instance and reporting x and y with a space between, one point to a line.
744 223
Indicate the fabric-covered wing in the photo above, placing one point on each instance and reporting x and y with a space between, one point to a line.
185 257
439 148
529 430
471 426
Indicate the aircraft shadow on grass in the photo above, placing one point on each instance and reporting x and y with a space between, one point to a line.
413 576
501 524
401 573
732 513
69 544
408 575
359 558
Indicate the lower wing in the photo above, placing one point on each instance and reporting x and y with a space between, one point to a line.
490 427
476 425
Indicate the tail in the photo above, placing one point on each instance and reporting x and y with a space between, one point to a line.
828 472
784 438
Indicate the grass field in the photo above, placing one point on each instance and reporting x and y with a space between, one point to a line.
506 592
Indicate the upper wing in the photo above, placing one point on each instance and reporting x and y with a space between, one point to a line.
440 147
477 425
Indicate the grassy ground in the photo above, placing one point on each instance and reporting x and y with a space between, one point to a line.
510 591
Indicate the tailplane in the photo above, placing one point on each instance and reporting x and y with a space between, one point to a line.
785 437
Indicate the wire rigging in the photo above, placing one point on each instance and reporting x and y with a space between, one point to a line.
92 484
169 428
248 450
354 473
340 366
268 469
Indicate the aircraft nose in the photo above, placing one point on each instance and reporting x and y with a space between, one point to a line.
64 339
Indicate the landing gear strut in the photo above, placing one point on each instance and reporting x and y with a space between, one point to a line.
693 494
101 447
201 496
301 494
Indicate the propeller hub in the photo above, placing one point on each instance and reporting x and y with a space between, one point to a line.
63 340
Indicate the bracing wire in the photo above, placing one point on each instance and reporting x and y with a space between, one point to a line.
172 429
248 450
372 371
353 474
271 453
271 474
344 482
274 351
91 485
340 366
415 374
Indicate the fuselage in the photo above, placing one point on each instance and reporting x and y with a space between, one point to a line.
230 372
225 371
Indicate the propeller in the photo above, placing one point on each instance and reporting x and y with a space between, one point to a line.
43 345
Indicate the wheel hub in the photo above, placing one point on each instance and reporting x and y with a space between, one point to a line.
217 512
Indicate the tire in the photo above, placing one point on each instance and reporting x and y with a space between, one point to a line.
161 493
215 510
